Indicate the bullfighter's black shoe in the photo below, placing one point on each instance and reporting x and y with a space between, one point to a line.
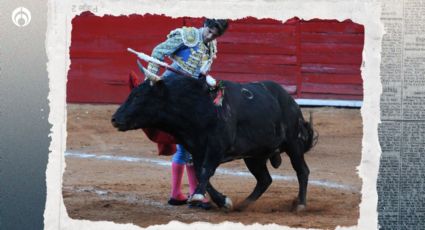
173 201
203 205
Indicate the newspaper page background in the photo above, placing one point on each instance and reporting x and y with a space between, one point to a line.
365 12
401 180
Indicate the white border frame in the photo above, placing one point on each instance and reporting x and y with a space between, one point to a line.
61 12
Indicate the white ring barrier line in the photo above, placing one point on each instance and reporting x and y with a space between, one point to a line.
322 183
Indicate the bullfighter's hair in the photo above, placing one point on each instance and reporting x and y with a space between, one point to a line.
220 24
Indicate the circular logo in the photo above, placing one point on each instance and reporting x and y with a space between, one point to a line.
21 16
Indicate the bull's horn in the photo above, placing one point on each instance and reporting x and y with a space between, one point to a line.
148 74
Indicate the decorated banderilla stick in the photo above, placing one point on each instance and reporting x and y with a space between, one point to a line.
158 62
210 80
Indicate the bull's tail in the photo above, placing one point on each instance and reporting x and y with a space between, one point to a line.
308 135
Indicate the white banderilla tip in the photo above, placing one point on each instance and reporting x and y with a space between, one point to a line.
211 81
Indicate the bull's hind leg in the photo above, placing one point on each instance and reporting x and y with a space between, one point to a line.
258 168
301 168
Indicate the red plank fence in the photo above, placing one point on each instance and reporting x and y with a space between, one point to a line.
317 61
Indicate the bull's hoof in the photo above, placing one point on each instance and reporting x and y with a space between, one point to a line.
239 208
202 205
228 204
242 206
297 207
196 198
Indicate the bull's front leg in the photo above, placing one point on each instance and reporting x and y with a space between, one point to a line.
205 166
218 198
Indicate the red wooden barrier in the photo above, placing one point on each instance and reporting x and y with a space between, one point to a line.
317 59
331 55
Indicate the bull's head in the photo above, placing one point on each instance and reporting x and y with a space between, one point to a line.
142 106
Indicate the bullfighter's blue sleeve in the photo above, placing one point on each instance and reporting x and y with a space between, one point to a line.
174 41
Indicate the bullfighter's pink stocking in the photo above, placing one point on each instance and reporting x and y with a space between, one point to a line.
193 182
176 181
191 176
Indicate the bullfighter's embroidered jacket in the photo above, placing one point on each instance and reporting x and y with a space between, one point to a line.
187 50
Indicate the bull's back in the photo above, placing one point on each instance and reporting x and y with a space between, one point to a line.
291 112
252 103
256 118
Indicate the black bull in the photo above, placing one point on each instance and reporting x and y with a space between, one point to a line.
256 122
